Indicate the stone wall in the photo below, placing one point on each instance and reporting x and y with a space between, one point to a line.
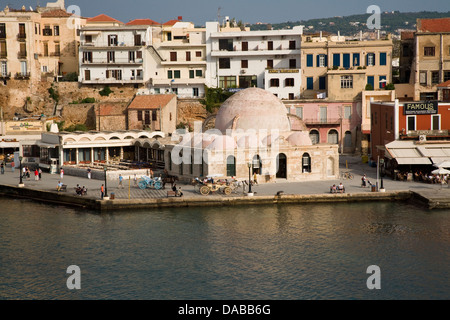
191 110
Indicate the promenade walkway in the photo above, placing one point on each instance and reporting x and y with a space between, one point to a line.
49 183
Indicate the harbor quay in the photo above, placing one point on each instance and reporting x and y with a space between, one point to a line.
129 196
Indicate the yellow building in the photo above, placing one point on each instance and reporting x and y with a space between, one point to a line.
339 70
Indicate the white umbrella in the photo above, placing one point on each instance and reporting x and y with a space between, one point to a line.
441 171
443 164
221 175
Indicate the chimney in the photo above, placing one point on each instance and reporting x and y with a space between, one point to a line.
360 35
320 35
378 35
339 36
180 18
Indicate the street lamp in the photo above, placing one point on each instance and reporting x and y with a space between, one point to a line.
20 172
249 177
105 168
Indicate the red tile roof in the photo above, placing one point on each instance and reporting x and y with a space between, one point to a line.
445 84
103 18
407 35
153 101
170 22
433 25
110 109
142 22
57 13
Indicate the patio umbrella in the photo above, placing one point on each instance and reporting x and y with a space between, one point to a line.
443 164
441 171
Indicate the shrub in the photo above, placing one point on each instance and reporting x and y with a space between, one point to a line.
390 86
53 94
106 91
70 77
369 87
88 100
76 127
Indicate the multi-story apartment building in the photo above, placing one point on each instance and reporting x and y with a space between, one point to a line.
38 42
113 53
431 63
240 58
179 60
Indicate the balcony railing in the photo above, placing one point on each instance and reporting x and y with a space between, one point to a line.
21 36
116 61
139 79
334 121
22 75
22 55
55 54
3 55
6 75
102 44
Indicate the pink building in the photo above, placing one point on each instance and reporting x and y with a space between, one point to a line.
330 122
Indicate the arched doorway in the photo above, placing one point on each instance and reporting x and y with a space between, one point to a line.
231 166
306 163
282 166
333 137
315 136
348 139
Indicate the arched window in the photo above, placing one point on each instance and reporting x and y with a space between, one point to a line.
348 139
315 136
333 137
257 165
306 163
231 166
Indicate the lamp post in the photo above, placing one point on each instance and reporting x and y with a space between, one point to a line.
20 172
105 197
249 178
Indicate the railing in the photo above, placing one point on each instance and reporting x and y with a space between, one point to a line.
116 61
21 75
55 54
322 121
5 75
21 36
22 55
114 80
3 55
109 45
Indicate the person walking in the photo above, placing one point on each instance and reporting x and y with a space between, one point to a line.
2 167
13 166
28 173
89 173
102 190
40 173
135 180
36 175
255 179
62 173
363 181
120 181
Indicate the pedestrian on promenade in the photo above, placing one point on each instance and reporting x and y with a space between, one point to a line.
255 178
135 180
40 173
28 173
62 173
36 175
151 174
120 181
24 172
363 181
102 190
59 186
89 173
13 166
2 167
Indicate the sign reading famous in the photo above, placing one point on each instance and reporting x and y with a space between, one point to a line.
428 107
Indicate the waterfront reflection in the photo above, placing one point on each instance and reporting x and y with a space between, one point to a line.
261 252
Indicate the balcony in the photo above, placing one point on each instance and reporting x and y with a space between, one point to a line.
21 55
322 122
55 54
130 80
5 75
109 46
21 37
115 62
23 75
257 51
3 55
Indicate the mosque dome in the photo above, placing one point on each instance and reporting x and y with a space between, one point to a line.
299 139
253 108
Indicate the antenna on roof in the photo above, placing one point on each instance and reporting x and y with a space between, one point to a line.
218 14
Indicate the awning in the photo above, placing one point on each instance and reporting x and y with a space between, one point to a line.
403 161
9 144
46 145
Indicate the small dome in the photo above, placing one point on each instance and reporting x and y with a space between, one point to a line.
222 143
253 108
299 139
271 139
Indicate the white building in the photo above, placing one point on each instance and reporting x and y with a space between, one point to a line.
265 59
114 54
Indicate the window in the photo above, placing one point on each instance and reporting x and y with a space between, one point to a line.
244 46
429 51
137 40
56 30
292 63
274 82
310 83
428 96
382 82
244 64
87 75
45 49
336 60
195 92
315 137
322 83
291 96
23 50
22 33
309 60
177 74
435 77
347 112
224 63
226 44
3 52
321 60
446 75
139 54
346 82
383 59
270 64
348 139
346 60
356 60
436 122
227 82
188 56
248 81
198 54
175 90
289 82
269 45
112 40
2 31
371 81
44 69
131 56
154 115
88 39
47 31
173 56
4 69
169 74
423 77
191 74
306 163
333 137
411 123
111 56
370 59
57 50
199 73
231 166
31 151
292 45
299 112
323 114
139 115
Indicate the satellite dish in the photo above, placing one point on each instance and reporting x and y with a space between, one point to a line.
31 8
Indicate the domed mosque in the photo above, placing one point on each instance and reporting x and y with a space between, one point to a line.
253 134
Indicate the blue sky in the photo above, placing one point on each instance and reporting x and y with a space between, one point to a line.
271 11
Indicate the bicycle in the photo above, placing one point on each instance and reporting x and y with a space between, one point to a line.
347 175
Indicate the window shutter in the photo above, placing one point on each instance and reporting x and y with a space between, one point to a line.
309 60
318 60
326 60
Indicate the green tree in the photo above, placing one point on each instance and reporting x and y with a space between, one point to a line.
214 97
